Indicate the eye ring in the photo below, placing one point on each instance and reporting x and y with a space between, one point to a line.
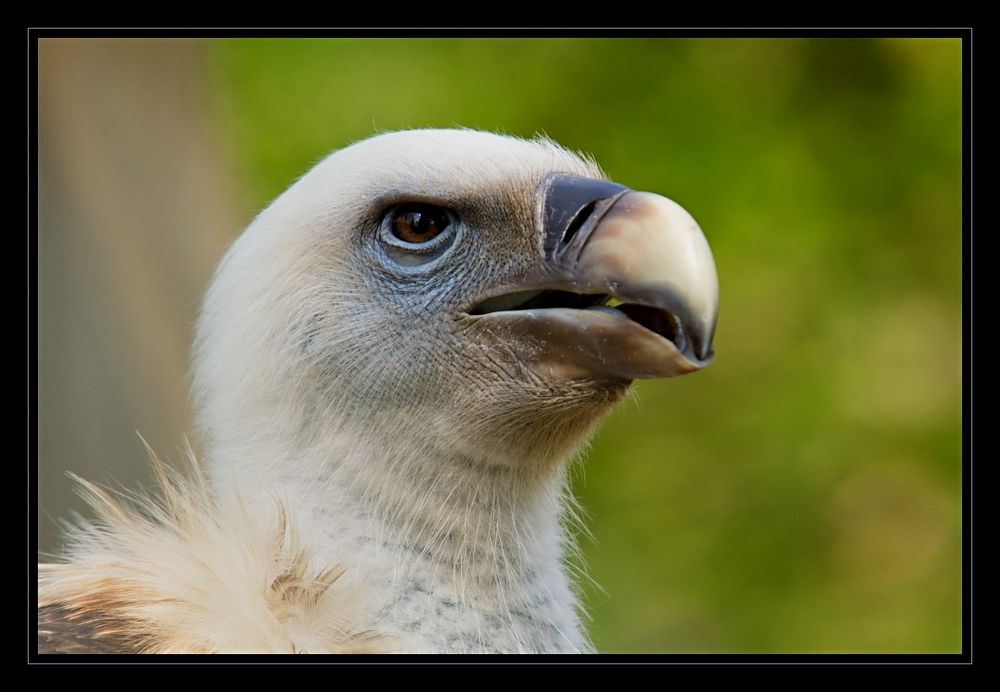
416 233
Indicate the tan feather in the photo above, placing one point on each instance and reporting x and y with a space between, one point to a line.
173 574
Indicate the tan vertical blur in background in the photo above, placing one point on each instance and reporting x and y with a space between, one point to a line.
133 213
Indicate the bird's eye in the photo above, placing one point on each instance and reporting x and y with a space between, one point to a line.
418 223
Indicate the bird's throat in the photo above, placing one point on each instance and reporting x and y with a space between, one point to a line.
453 555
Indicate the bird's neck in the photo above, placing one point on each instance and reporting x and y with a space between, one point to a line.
455 555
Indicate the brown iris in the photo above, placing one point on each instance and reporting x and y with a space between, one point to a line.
418 223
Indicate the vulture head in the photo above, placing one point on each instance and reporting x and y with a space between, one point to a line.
405 349
450 294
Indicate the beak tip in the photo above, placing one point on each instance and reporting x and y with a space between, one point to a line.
704 343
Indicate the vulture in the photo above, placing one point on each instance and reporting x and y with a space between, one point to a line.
394 366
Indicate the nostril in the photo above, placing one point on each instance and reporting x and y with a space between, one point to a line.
578 221
571 206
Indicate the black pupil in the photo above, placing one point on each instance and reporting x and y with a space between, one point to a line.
414 223
420 223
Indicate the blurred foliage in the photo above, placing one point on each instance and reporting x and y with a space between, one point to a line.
803 494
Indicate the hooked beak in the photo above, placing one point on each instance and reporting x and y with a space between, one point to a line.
627 288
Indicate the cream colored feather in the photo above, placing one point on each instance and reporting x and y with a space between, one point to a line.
176 575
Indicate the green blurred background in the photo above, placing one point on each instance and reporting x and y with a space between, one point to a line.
801 495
